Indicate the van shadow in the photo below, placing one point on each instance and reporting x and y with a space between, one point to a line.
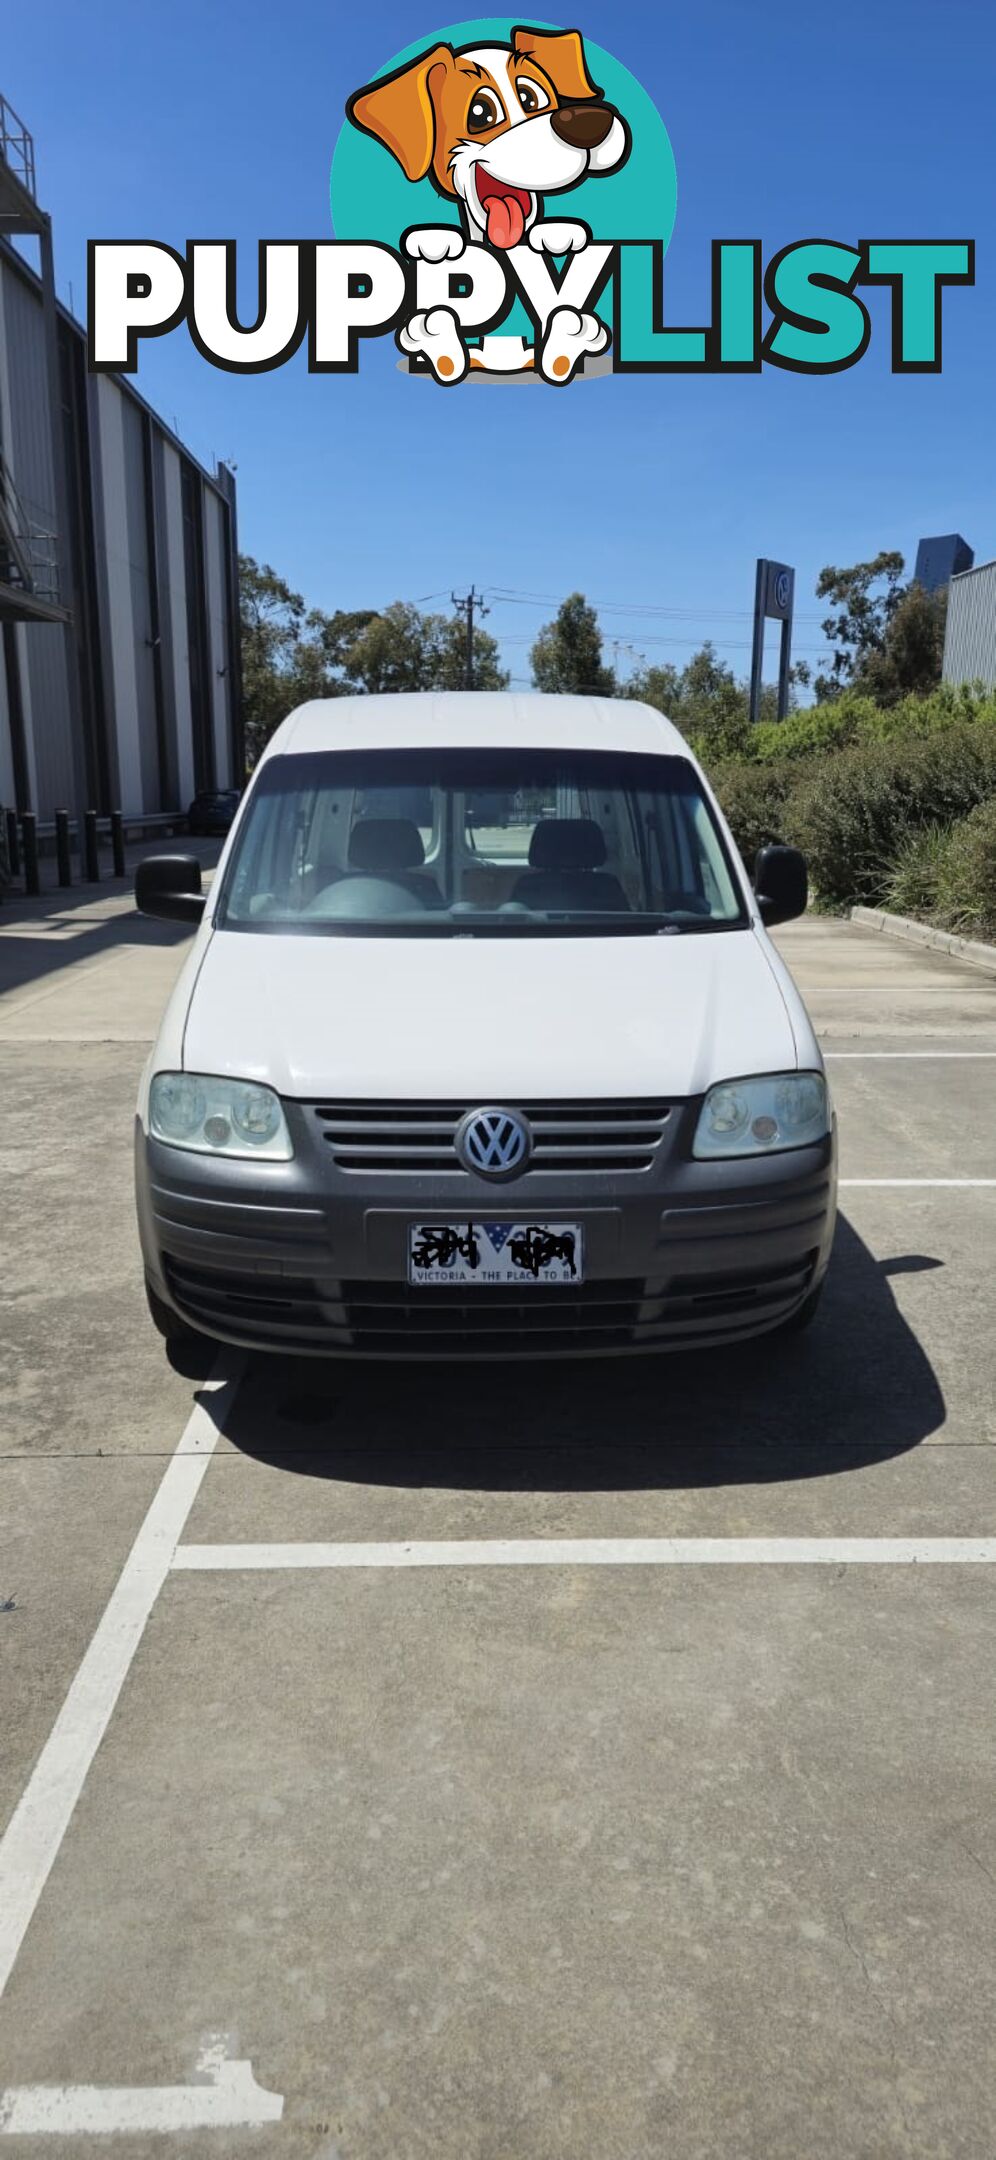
855 1389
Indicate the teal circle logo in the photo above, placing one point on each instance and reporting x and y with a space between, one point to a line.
372 199
495 147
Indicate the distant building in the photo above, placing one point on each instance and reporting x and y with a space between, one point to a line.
970 634
941 559
119 624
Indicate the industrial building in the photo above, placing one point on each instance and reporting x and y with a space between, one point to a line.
119 643
970 633
941 558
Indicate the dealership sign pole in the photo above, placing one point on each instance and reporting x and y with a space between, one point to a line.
774 595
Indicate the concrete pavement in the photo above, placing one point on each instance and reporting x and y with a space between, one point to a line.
486 1863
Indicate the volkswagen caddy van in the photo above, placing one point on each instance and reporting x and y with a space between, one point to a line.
482 1049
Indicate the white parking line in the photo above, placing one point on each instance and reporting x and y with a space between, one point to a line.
598 1552
864 1054
228 2098
39 1823
925 1183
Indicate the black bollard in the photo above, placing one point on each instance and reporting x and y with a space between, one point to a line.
117 842
62 847
13 851
29 841
91 850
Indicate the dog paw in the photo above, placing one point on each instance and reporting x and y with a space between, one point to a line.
435 244
569 336
435 336
558 236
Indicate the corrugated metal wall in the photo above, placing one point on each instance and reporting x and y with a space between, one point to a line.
176 627
137 602
7 788
28 449
215 543
970 637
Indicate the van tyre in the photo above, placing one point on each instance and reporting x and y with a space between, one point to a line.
806 1314
167 1322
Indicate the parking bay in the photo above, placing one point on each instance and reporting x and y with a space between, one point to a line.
495 1859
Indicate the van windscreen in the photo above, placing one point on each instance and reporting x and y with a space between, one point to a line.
496 842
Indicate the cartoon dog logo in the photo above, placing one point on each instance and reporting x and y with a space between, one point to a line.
498 128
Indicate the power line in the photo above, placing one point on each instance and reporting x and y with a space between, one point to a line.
523 637
510 594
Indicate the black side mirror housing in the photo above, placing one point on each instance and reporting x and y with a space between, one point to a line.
781 882
169 886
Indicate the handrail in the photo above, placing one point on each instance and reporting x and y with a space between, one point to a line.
17 147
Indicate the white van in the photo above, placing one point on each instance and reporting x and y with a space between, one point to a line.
482 1048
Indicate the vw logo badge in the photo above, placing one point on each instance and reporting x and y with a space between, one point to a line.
783 590
494 1143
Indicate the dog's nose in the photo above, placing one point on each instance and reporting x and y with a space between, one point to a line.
583 126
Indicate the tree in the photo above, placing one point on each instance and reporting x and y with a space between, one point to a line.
910 660
488 672
271 618
889 636
658 686
866 598
402 649
704 699
291 653
567 654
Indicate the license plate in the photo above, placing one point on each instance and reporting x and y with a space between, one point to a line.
495 1252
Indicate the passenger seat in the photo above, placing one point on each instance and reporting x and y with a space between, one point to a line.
565 870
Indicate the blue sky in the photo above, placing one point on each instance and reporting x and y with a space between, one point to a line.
652 493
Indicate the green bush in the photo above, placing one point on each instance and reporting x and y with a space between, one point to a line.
852 814
855 718
913 878
754 799
965 891
820 728
913 717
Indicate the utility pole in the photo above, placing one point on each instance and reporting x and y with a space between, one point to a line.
466 604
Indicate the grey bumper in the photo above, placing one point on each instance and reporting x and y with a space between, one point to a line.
309 1258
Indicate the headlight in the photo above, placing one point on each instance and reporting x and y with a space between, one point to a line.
764 1116
218 1117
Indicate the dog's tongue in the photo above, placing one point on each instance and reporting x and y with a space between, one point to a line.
506 220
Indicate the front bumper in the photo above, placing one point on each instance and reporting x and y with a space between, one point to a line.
308 1258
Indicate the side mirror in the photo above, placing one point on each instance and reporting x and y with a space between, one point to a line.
781 882
170 886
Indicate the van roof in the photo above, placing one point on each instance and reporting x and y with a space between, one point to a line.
460 718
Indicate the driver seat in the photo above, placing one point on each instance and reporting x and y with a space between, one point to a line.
392 848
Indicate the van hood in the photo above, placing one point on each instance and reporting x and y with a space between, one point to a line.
446 1019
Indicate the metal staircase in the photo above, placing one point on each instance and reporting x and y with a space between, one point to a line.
29 561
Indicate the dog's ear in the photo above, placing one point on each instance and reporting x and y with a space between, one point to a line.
560 53
399 110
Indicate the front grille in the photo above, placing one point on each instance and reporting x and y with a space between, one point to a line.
567 1136
389 1319
498 1318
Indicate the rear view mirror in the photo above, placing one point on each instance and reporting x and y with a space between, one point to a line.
781 882
169 886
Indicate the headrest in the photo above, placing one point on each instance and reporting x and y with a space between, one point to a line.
385 843
567 843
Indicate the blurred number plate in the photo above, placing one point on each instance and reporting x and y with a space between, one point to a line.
495 1252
